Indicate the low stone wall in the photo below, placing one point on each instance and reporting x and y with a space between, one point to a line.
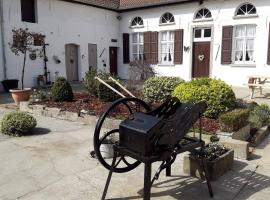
241 148
260 136
65 115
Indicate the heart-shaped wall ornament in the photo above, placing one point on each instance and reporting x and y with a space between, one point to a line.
201 57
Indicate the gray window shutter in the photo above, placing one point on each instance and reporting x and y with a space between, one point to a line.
125 48
268 54
178 46
226 50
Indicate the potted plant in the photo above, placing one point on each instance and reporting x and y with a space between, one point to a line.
106 148
218 158
10 84
23 43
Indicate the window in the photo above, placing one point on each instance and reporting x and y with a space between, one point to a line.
137 22
246 10
243 44
137 46
167 47
28 9
203 14
167 18
202 34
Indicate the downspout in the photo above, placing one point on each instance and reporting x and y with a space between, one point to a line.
3 39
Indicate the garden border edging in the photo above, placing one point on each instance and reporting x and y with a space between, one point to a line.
65 115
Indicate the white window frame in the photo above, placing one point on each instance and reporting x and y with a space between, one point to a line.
203 18
246 15
168 21
138 25
244 50
168 42
138 43
202 38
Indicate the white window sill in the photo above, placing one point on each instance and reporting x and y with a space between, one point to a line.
165 65
167 24
203 20
245 16
244 65
134 27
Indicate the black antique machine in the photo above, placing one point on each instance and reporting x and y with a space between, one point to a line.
147 136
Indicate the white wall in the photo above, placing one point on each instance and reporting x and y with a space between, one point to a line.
62 23
222 12
1 58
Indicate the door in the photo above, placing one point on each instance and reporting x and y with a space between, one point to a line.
201 59
72 62
113 60
92 56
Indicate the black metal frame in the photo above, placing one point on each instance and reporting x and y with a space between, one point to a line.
167 157
168 160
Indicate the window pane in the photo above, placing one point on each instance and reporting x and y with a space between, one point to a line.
164 36
135 56
249 56
164 57
134 38
141 49
250 44
141 37
171 36
238 56
164 48
207 32
135 49
198 33
171 46
240 31
251 30
239 44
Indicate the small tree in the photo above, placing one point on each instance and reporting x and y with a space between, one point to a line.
23 41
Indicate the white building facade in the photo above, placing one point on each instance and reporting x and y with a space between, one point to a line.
224 39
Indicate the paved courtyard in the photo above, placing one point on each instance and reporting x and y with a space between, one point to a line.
55 164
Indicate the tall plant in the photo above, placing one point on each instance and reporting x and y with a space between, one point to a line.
23 41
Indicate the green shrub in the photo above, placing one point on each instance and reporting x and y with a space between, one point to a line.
234 120
18 123
61 90
158 89
90 82
260 116
106 94
97 89
218 95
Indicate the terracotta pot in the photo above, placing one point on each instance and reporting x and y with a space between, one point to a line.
21 95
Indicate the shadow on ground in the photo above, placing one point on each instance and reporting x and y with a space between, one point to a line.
238 183
39 131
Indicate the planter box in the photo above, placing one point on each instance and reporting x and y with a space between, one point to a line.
242 134
215 168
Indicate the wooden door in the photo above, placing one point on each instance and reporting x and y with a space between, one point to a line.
113 60
92 56
201 59
72 62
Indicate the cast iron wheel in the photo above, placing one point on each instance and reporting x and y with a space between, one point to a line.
132 105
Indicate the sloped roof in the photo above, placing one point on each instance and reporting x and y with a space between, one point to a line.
121 5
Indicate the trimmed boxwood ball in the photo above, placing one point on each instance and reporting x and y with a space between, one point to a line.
219 96
158 89
61 90
18 123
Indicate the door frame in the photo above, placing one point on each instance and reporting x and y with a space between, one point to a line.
116 59
78 60
96 56
201 25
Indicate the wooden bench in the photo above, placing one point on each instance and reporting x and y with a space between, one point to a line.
254 86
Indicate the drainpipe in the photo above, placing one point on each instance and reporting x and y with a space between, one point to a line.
3 39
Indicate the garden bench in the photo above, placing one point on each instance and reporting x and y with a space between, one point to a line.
257 82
